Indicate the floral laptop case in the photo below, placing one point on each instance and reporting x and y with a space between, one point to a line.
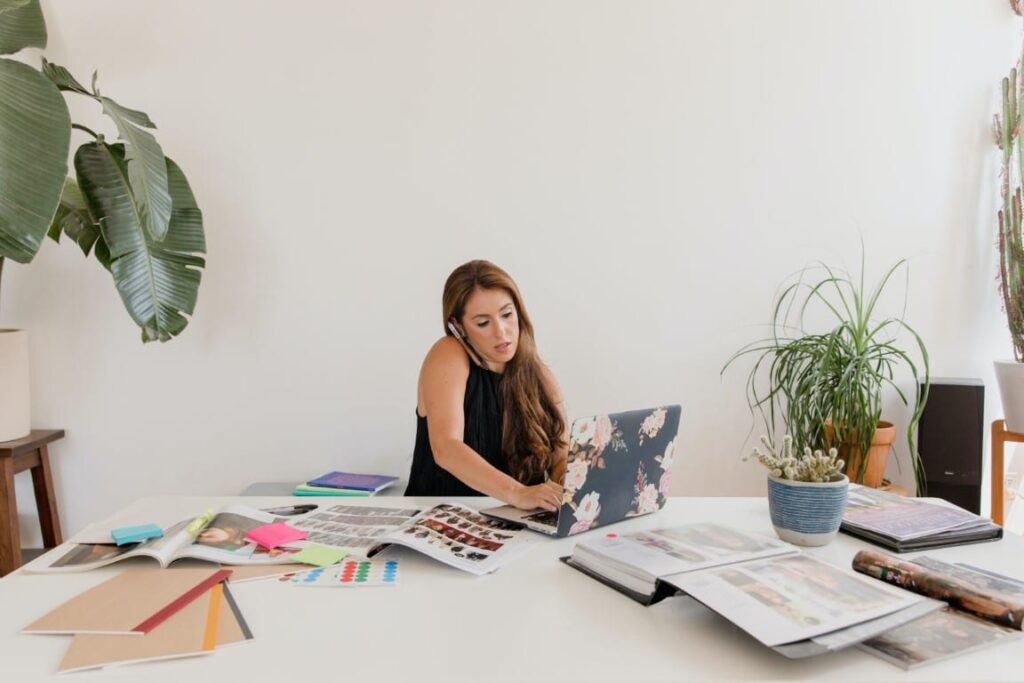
619 466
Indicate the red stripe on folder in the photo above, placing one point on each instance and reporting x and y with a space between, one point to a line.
187 597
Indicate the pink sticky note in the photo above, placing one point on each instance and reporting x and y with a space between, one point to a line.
273 535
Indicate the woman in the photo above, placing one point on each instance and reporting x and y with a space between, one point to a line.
490 416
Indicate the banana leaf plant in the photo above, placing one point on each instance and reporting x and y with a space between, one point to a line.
128 204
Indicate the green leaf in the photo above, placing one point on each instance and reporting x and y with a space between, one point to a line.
21 25
62 78
35 131
158 280
73 219
147 167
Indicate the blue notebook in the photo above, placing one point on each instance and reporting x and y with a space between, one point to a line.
348 480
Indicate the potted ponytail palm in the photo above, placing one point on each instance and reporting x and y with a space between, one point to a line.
827 386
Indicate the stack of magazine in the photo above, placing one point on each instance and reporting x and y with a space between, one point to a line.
344 484
905 524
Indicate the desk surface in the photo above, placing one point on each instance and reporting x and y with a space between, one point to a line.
535 619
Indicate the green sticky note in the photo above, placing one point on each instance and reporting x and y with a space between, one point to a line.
318 555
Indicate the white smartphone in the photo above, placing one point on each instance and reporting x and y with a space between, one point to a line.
461 336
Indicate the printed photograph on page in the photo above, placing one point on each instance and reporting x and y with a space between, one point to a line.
791 598
352 527
936 636
459 532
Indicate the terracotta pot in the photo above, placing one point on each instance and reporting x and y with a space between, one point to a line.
14 385
878 455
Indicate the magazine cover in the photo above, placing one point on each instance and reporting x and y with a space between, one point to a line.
964 595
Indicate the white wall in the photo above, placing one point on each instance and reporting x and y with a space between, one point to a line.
648 171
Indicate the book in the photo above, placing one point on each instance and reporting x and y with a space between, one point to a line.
982 609
358 482
451 533
789 601
221 539
905 524
307 490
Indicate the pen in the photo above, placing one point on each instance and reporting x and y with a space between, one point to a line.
199 523
290 510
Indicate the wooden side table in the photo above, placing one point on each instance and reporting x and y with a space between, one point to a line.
17 456
1000 435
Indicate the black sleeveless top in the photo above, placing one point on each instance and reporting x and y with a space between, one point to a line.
482 432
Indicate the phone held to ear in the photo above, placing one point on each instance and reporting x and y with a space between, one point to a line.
460 335
456 330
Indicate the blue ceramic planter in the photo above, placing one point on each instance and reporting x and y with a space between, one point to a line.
806 513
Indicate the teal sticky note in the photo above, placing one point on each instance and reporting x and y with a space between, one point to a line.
318 555
134 534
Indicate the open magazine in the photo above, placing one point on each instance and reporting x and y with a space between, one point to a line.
983 609
791 602
448 532
905 524
221 540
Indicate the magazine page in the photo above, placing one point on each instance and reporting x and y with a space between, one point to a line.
463 538
901 517
858 633
357 529
651 554
935 637
997 582
223 539
987 604
787 599
85 556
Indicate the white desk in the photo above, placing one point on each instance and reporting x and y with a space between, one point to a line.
535 619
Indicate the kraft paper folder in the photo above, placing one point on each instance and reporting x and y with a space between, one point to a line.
206 623
133 602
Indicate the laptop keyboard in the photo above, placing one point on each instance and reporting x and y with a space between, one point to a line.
544 517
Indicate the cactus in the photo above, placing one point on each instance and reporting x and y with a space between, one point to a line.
1006 133
809 466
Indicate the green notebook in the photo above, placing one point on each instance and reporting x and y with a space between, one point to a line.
307 490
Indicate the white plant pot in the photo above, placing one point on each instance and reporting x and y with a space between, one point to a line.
1010 375
15 421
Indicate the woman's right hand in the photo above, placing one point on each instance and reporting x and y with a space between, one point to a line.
547 496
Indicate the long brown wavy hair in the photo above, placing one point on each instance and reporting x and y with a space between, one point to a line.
532 425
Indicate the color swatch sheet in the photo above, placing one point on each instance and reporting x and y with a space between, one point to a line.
348 573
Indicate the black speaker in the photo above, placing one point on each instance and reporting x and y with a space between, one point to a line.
950 438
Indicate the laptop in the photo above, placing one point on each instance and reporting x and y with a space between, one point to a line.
619 466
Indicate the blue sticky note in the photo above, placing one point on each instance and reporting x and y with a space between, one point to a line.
133 534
